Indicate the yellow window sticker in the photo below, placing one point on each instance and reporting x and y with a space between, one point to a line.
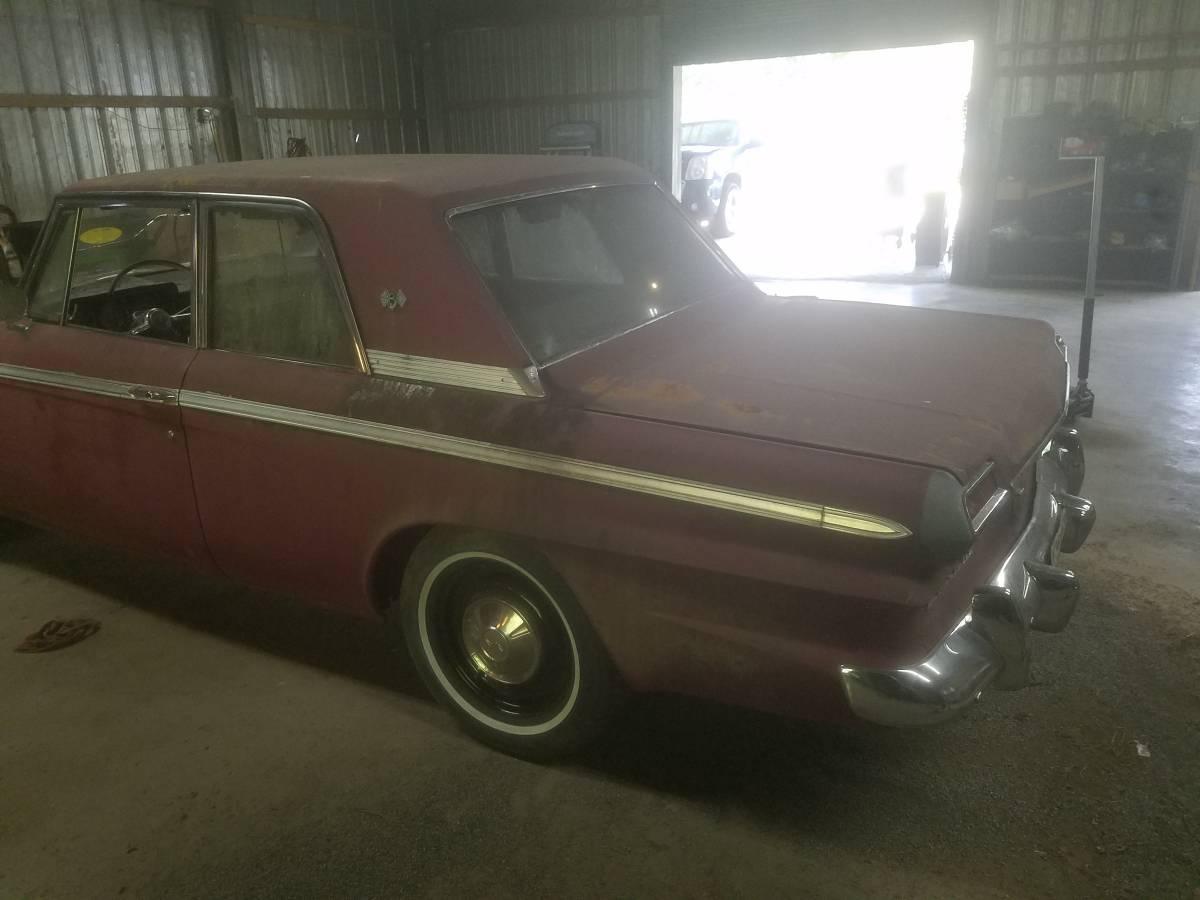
104 234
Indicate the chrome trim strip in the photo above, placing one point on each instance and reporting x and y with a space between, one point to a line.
531 195
1066 355
731 499
983 473
103 387
456 374
994 503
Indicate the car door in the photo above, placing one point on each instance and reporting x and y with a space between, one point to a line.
276 502
90 378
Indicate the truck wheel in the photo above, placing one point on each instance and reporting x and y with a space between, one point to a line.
501 642
726 221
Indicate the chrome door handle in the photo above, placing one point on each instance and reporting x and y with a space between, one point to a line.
151 395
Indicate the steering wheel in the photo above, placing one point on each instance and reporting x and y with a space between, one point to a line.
169 263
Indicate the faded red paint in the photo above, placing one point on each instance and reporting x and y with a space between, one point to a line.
847 405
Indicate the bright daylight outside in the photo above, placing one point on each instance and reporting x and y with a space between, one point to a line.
831 165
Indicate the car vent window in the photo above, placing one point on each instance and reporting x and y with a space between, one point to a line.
46 298
272 292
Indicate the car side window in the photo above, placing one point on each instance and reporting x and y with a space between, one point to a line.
50 289
132 271
272 291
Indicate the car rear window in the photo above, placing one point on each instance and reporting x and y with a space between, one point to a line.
575 268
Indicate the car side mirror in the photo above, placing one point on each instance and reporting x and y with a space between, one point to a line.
154 322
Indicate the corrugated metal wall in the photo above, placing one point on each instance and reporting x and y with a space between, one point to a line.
503 85
348 86
62 50
340 75
508 72
1140 56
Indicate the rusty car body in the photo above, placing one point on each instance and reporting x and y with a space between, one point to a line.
525 411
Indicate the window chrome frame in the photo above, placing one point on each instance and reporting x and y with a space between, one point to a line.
204 200
81 201
40 256
209 206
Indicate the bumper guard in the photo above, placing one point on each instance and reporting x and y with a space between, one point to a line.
989 647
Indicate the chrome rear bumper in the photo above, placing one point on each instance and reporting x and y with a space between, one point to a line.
989 647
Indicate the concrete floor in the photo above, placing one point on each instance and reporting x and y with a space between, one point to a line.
212 742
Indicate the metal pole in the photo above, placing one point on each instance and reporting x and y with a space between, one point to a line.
1083 400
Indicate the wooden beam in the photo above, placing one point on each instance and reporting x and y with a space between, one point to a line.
303 112
1101 42
1159 64
552 100
108 101
298 24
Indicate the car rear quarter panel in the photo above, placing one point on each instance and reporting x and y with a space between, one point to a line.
686 598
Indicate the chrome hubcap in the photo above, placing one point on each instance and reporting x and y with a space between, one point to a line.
501 643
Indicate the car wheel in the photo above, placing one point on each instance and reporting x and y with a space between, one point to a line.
500 640
726 221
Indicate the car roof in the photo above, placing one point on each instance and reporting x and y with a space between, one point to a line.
440 179
386 220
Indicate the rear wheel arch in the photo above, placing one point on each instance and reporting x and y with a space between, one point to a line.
560 715
389 562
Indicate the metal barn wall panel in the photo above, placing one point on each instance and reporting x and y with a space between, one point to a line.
341 75
503 85
92 87
142 56
1139 57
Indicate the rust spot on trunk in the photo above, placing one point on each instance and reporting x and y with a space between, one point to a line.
657 391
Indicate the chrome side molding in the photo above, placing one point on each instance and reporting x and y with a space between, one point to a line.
84 384
523 382
736 500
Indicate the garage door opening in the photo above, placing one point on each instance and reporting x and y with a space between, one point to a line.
831 165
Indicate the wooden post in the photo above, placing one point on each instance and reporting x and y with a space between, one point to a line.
235 61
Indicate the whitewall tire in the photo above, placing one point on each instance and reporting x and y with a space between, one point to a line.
499 639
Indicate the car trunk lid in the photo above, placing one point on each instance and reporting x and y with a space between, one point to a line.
950 390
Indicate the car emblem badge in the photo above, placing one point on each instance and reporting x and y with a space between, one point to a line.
392 299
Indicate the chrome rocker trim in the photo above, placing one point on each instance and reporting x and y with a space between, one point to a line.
989 647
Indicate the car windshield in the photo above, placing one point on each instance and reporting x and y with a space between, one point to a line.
573 269
712 134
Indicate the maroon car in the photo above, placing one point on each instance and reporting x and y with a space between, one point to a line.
523 410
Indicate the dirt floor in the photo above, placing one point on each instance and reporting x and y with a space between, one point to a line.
212 742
